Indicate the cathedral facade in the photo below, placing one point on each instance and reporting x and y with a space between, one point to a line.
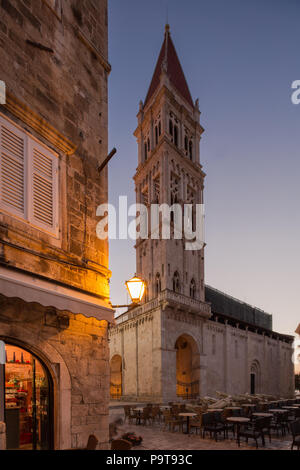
186 339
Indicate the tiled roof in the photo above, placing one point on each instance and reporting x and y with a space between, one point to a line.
169 59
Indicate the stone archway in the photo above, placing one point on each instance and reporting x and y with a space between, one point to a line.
187 367
255 377
59 374
115 377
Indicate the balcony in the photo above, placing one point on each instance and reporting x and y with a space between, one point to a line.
168 298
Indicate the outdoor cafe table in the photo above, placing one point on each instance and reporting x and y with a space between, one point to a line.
277 410
188 416
263 415
238 421
290 407
233 408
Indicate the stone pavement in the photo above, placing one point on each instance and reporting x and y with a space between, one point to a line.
154 438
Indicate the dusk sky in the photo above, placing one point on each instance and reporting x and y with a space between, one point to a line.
240 58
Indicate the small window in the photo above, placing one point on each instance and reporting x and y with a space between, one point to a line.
28 178
157 284
159 128
148 145
193 289
186 143
176 136
176 282
191 150
171 128
145 152
156 135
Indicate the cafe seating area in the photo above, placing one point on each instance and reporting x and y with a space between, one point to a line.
249 423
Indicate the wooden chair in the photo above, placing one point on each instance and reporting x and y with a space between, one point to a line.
146 415
120 444
196 422
295 430
170 421
92 443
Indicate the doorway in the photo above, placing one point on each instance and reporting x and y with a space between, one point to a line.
28 401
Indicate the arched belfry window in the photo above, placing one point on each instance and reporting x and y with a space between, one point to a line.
157 284
176 136
186 144
171 128
193 289
145 152
191 150
176 282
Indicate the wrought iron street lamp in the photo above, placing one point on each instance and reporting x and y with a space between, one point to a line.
136 289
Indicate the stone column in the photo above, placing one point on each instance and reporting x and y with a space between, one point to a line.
225 355
137 358
203 375
246 388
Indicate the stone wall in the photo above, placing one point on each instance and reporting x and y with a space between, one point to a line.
65 87
226 355
54 63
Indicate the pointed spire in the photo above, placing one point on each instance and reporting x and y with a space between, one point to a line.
169 62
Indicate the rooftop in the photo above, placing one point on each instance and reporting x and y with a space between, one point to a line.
168 60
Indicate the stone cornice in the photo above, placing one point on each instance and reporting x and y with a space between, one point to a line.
105 64
37 123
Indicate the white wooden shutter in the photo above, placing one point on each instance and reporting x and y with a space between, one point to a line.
12 161
43 187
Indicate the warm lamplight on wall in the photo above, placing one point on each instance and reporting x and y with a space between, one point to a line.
136 288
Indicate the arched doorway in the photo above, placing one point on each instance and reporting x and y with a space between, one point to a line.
116 377
28 401
254 378
187 367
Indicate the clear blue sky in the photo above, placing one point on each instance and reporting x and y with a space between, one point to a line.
240 58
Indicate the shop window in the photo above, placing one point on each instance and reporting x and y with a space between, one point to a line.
28 401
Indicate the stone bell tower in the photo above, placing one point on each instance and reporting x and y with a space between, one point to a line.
169 171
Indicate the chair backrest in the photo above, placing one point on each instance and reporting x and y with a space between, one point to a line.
295 427
207 418
92 442
217 416
127 409
297 413
121 444
261 423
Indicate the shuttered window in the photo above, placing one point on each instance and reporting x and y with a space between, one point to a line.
28 178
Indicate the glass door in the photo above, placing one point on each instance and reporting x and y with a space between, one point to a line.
28 394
